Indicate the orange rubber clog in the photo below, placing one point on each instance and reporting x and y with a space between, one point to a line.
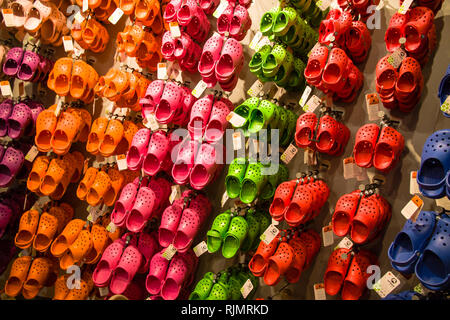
103 81
146 11
79 164
86 182
129 130
79 294
96 135
65 132
48 226
60 215
67 237
27 229
89 94
86 128
53 176
127 6
61 289
117 86
77 250
113 136
17 276
68 174
38 170
98 189
38 275
45 126
68 212
100 241
62 74
80 74
117 180
79 120
87 276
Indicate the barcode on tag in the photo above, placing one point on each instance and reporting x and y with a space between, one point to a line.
305 96
246 288
150 122
175 30
199 89
386 284
32 153
312 104
289 153
405 6
116 15
121 162
327 235
412 207
220 9
169 252
396 58
345 243
270 234
255 89
255 40
373 106
349 168
200 249
309 157
319 292
68 43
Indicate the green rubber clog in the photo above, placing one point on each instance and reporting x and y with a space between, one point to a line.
218 292
245 108
203 288
235 176
267 21
273 61
255 63
261 117
234 237
252 183
284 20
235 287
252 233
297 75
216 234
282 76
289 133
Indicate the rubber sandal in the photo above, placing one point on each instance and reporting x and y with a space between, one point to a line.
108 262
10 165
217 233
345 210
203 287
77 250
386 75
65 132
246 108
20 10
262 116
98 189
177 273
416 29
28 66
268 20
45 126
13 60
395 30
171 10
27 228
337 268
70 233
258 58
327 133
300 206
96 135
124 204
147 246
125 270
388 149
158 148
37 173
185 161
215 129
292 275
284 20
365 142
207 164
157 272
234 237
432 268
113 135
253 231
169 103
188 228
273 180
240 23
62 75
86 183
282 199
333 75
138 149
38 276
274 60
252 183
435 164
46 230
410 242
278 264
6 108
143 207
169 223
288 134
17 275
365 221
316 64
305 128
356 280
230 59
210 55
61 289
19 120
200 113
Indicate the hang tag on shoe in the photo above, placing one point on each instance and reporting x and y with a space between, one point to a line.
200 249
236 120
446 106
312 104
443 203
220 9
255 89
305 96
264 41
169 252
225 198
150 122
116 15
199 89
289 154
405 6
5 87
319 291
246 288
269 234
345 243
68 43
162 71
327 235
8 17
373 106
349 168
237 140
85 6
255 40
386 284
111 227
309 157
412 208
32 154
396 58
104 291
175 30
121 160
175 194
58 107
413 185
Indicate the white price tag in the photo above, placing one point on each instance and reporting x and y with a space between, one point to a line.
68 43
255 40
199 89
111 227
8 17
270 234
150 122
412 207
345 243
309 157
443 203
116 15
312 104
175 194
220 9
162 71
200 249
289 153
169 252
327 235
32 153
58 107
264 41
386 284
236 120
5 87
349 168
225 198
405 6
446 106
237 140
77 50
255 89
396 58
373 106
85 5
413 185
104 291
79 17
305 96
319 292
275 222
175 30
246 288
121 160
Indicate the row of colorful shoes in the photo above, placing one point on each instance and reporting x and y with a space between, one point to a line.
12 163
19 119
359 8
27 65
235 21
90 35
